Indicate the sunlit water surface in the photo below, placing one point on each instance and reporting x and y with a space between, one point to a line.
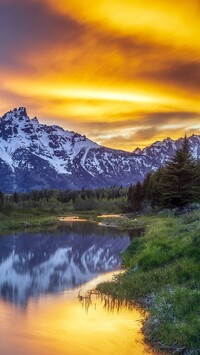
41 276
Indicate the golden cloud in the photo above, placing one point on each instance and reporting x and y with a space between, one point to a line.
110 68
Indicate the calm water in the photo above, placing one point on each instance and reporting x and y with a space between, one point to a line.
41 275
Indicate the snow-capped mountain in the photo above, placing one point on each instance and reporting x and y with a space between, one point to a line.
31 266
161 151
36 156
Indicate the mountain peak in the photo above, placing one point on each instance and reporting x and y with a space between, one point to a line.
22 111
14 114
35 120
138 151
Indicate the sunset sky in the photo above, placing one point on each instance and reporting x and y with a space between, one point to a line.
123 72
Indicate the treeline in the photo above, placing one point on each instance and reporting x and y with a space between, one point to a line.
175 185
58 201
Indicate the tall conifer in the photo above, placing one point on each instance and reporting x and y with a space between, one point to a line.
179 178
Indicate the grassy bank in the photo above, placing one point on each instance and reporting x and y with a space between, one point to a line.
23 220
122 221
163 275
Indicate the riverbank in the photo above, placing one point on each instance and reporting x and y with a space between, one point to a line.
119 221
36 219
26 221
162 269
162 275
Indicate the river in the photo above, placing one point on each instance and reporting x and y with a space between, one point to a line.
41 276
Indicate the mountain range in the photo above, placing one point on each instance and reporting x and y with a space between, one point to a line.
37 156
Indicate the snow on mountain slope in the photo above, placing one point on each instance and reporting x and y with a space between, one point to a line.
36 156
53 144
160 151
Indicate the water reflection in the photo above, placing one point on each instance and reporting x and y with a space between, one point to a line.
60 325
32 264
41 264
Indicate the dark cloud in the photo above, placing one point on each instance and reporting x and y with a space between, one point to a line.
142 138
170 117
123 55
145 134
155 118
179 73
146 60
126 44
140 135
28 26
119 141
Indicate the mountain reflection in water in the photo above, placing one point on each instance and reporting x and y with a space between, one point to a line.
32 264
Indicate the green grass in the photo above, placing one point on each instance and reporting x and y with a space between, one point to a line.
163 275
22 220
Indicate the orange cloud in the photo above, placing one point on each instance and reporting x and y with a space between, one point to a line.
128 69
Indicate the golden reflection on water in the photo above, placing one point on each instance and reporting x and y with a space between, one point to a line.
72 219
59 324
110 216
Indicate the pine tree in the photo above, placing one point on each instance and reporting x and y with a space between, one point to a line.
1 198
130 194
155 188
15 197
179 178
196 186
137 197
145 190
